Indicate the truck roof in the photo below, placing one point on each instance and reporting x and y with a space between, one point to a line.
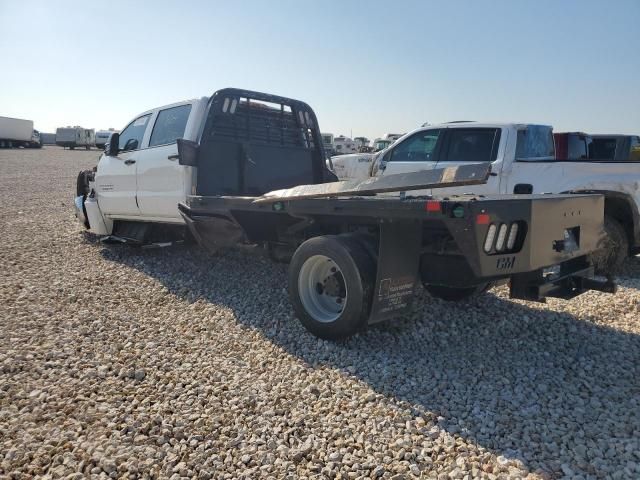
175 104
613 135
473 124
467 124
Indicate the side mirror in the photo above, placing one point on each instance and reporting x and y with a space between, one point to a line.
187 152
111 149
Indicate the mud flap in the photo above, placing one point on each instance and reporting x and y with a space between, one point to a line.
397 275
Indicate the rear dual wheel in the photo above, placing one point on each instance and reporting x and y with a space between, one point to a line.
331 281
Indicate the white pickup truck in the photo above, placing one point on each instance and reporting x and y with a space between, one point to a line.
523 161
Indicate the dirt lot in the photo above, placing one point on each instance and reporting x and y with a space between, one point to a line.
122 362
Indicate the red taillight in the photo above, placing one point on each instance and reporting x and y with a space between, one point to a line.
433 206
483 219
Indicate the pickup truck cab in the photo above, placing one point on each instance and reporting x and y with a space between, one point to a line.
523 161
138 182
138 178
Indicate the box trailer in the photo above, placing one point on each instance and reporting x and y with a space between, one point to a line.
16 132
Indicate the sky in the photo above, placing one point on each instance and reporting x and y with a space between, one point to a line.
365 67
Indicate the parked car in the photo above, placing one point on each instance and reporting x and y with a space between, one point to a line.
244 166
615 147
573 146
72 137
524 160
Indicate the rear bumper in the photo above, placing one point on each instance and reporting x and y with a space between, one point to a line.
570 279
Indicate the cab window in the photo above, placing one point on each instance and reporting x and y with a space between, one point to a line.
419 147
471 145
535 143
131 136
170 125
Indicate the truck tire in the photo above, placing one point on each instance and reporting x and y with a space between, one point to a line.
455 294
331 281
609 259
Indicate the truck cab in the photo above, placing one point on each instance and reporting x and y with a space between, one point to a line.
141 179
139 182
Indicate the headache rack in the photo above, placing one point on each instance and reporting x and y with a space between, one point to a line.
252 143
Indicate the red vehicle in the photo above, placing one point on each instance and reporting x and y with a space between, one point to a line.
573 146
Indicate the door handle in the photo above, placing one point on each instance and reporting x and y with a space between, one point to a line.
173 157
129 162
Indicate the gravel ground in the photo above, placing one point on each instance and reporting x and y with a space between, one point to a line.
131 363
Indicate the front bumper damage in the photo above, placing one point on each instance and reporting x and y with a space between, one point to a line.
79 210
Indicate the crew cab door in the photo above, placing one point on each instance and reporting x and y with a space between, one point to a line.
161 180
535 169
416 152
462 146
116 176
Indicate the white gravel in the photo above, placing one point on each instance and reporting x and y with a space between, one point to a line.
130 363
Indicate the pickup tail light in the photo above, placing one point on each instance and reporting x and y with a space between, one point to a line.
502 237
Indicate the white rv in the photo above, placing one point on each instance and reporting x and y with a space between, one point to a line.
102 137
343 145
73 137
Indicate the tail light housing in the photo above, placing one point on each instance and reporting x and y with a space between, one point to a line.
504 237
